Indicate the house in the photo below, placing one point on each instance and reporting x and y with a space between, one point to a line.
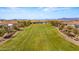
39 21
73 23
8 23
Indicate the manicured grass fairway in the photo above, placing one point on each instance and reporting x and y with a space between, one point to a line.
37 37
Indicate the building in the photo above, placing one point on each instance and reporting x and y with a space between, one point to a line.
8 23
39 21
74 23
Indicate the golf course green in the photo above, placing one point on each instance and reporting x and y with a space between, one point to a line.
38 37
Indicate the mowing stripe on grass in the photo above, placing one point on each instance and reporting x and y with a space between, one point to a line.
38 37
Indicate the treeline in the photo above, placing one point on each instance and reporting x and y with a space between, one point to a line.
23 23
55 23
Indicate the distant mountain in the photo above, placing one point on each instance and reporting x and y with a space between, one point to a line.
45 19
68 18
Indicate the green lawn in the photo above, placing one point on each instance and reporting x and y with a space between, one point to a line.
38 37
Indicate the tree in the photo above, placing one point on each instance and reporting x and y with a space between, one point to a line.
2 32
69 29
6 28
16 28
24 23
61 27
28 23
56 23
75 31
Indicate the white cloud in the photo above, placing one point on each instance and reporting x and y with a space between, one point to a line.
46 9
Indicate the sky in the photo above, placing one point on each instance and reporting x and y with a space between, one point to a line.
38 12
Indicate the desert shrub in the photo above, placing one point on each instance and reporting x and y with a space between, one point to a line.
61 27
2 32
16 28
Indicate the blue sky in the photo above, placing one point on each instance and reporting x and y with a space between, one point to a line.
38 12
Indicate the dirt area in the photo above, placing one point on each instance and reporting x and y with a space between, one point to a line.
3 40
68 38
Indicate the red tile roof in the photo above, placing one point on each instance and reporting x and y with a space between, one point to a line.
8 22
71 22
